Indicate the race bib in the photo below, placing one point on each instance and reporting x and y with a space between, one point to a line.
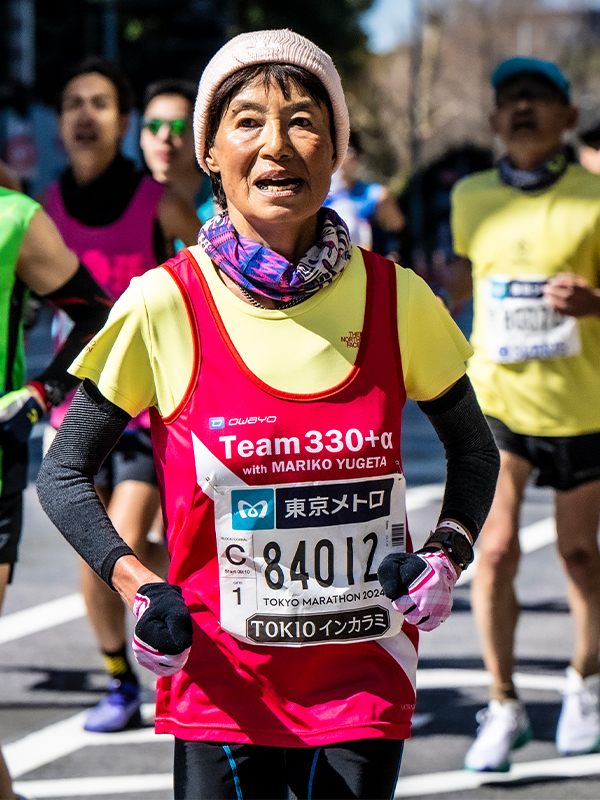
521 325
298 563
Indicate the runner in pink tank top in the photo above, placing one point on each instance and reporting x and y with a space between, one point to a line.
344 526
120 223
286 637
113 253
117 252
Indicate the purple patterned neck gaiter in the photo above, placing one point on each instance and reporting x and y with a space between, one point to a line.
256 268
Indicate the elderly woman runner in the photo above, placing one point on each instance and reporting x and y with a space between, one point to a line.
276 358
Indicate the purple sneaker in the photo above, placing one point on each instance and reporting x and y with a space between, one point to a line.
120 709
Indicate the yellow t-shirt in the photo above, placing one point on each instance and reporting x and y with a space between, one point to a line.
143 355
515 242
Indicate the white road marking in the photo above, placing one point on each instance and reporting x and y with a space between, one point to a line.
62 738
461 780
410 786
41 617
420 720
531 537
88 787
71 607
44 746
537 535
423 496
462 678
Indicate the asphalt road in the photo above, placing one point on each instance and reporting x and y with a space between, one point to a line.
51 672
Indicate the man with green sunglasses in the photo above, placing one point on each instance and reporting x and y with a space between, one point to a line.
167 142
176 127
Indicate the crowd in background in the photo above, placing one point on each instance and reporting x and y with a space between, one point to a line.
167 201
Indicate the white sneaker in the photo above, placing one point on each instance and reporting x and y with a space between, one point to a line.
502 727
578 728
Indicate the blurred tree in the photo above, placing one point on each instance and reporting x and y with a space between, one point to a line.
155 39
331 24
433 93
151 39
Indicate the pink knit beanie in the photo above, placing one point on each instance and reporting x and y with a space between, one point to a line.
278 47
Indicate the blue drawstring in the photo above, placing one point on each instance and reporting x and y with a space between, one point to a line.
312 772
236 777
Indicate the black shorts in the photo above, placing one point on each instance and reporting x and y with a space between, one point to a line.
11 522
562 462
131 459
13 480
366 768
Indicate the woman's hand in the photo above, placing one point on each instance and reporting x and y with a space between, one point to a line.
163 635
420 585
128 575
572 295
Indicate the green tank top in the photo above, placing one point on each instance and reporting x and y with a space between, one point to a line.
16 212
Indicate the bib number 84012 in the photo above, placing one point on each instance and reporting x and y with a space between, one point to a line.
298 563
322 563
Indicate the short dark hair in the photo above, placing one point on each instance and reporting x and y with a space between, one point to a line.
179 86
283 75
109 70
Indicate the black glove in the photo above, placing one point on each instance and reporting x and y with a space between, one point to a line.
397 571
163 634
19 411
420 585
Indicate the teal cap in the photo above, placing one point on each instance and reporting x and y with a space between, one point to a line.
520 64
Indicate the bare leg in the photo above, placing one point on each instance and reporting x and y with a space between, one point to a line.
4 576
495 605
6 791
577 518
132 509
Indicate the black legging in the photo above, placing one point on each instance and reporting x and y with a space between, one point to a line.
367 768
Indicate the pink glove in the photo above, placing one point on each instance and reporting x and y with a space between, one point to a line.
420 585
163 634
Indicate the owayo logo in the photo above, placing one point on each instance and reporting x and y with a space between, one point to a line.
252 509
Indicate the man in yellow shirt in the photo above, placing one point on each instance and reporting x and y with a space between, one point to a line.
530 231
588 151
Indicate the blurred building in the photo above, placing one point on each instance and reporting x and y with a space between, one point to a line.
151 39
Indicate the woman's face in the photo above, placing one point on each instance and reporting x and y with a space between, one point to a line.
275 156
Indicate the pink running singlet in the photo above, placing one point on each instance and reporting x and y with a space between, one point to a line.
114 254
279 508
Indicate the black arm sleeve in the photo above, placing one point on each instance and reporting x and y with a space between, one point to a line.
87 304
472 458
65 484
